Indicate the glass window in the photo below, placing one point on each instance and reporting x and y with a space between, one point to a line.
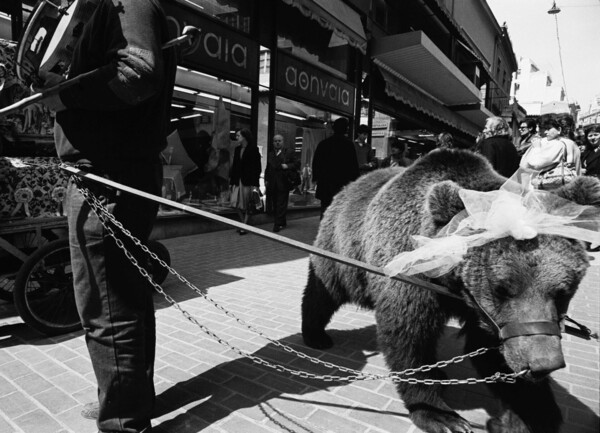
205 113
236 13
386 129
303 127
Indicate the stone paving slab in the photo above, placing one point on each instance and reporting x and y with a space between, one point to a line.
203 386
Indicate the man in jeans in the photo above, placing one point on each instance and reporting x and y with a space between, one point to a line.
114 123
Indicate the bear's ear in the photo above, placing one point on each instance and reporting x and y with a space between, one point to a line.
583 190
442 202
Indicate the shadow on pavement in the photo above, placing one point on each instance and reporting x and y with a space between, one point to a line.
231 386
281 398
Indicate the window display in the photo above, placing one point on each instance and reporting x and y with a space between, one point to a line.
205 112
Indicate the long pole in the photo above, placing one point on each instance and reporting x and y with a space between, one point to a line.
188 33
278 238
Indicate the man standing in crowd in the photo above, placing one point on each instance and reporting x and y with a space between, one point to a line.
497 147
364 151
444 139
334 164
397 156
281 161
528 135
114 123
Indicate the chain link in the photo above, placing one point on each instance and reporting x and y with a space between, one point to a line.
106 219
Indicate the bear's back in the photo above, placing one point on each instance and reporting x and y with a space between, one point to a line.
372 219
398 211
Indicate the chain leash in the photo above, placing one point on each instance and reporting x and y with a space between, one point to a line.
106 219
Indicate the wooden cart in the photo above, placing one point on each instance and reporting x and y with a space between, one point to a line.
35 272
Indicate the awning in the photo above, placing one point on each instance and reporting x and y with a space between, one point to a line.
336 16
405 93
420 61
478 115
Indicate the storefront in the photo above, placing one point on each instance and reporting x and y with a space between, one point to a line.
308 78
215 90
289 71
396 109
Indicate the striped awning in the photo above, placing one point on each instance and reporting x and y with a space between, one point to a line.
336 16
402 91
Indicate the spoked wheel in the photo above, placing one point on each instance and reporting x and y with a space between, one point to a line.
43 291
7 284
9 265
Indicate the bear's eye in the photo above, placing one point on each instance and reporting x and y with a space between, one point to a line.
502 291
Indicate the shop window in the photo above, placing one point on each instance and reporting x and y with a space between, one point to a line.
306 38
302 127
386 129
236 13
205 112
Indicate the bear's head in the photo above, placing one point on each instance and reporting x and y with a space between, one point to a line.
518 290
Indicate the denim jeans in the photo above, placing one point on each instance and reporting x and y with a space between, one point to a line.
113 300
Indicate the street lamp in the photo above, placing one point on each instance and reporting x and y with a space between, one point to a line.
554 9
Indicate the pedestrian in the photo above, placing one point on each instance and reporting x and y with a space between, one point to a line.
334 164
245 174
114 123
552 152
281 164
364 151
444 139
591 156
398 154
580 139
497 147
527 135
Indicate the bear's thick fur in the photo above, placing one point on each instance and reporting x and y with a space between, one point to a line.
372 220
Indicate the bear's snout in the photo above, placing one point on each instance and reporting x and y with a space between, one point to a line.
541 367
540 354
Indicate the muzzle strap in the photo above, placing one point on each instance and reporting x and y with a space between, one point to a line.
518 329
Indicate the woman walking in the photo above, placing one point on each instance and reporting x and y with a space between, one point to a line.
244 175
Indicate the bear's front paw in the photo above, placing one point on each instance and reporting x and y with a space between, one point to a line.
433 420
317 340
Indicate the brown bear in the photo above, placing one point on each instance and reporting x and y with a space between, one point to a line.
514 281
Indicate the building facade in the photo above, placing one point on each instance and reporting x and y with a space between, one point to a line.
591 114
409 69
535 90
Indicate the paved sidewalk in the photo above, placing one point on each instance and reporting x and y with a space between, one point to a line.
203 386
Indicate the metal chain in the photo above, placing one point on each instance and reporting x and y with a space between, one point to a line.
106 217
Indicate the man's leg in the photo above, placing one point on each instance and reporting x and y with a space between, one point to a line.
116 307
281 203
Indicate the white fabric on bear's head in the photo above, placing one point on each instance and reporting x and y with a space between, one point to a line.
510 211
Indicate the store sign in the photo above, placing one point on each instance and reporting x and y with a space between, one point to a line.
301 80
216 47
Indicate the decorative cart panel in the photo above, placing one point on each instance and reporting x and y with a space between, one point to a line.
31 187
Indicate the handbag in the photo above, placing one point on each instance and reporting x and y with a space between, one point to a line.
255 204
555 177
293 179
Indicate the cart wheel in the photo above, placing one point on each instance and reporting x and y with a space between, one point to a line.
43 291
7 283
10 265
159 273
